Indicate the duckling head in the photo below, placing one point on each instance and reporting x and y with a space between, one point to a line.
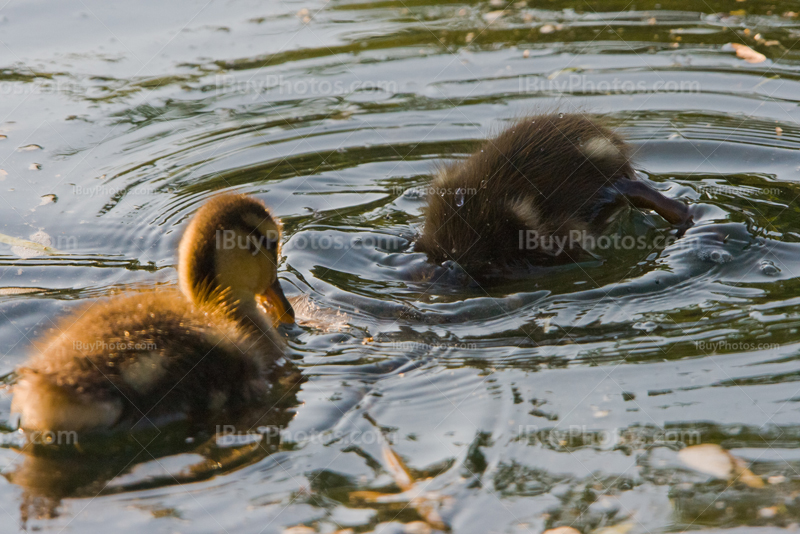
229 253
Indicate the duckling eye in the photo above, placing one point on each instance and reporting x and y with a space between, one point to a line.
258 242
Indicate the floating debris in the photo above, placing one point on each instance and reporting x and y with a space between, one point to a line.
778 130
304 15
492 16
716 255
427 503
20 290
713 460
37 246
29 148
768 512
768 268
562 530
48 199
35 167
622 528
417 527
748 54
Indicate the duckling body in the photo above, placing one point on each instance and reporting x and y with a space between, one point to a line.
547 179
151 355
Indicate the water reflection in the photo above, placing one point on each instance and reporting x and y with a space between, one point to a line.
51 470
558 398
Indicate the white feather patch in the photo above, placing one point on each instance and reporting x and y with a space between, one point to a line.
524 209
45 406
143 373
600 148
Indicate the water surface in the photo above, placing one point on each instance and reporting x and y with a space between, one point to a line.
558 399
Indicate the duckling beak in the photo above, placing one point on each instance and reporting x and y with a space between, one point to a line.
283 310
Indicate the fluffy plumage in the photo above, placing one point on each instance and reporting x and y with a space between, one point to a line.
546 175
154 355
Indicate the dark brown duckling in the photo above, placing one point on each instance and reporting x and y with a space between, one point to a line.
531 195
156 355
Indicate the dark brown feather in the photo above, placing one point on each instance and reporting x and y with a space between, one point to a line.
547 174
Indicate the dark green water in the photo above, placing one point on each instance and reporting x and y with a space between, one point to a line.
561 399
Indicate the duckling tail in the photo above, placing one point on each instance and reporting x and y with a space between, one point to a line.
46 406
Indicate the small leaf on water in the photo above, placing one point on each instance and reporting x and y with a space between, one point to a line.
28 148
748 54
622 528
562 530
492 16
27 249
713 460
19 290
710 459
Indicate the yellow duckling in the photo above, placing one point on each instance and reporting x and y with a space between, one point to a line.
156 355
533 194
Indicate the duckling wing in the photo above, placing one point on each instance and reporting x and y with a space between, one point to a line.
139 357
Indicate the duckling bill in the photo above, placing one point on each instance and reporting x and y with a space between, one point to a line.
547 177
150 356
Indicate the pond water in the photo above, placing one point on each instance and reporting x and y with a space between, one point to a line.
561 399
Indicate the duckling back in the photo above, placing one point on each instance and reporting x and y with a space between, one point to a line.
141 358
545 174
147 356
